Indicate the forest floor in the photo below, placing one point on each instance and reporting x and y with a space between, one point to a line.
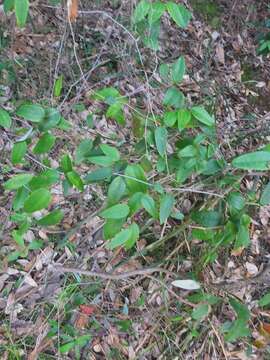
141 317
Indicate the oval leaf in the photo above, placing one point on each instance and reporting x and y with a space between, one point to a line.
118 211
202 115
258 160
75 179
44 144
17 181
5 120
166 205
21 11
37 200
31 112
161 140
51 219
178 70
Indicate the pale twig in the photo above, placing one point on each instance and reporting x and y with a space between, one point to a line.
192 190
109 276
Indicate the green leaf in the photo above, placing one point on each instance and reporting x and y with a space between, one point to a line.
31 112
149 204
180 15
207 218
17 181
238 329
51 219
242 237
98 175
66 163
258 160
134 236
200 312
118 211
45 143
37 200
236 202
20 198
135 203
265 300
170 118
115 111
8 5
108 95
127 237
116 190
110 151
173 97
164 71
21 11
101 160
161 140
67 347
240 309
44 179
184 117
135 179
83 150
155 12
5 119
265 196
178 70
75 180
18 151
188 151
58 86
202 115
52 120
18 238
141 11
166 206
112 227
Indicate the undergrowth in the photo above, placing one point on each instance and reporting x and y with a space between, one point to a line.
167 181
